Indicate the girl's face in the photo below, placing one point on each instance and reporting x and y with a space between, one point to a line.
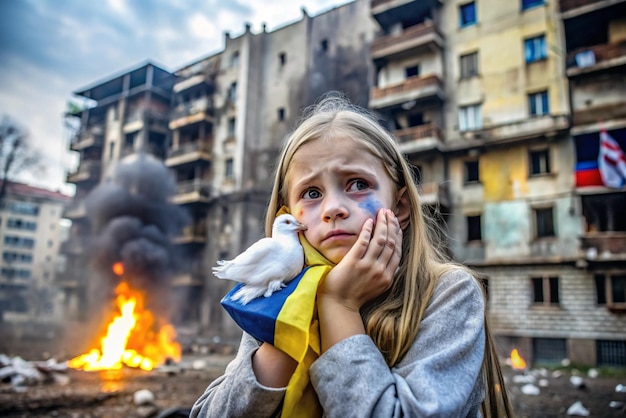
333 187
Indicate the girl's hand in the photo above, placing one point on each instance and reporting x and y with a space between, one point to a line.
368 268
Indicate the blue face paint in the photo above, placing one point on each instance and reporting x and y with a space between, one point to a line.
371 206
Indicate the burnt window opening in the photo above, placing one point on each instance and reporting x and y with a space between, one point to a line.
324 45
282 58
539 162
544 222
546 291
281 114
415 119
610 289
472 174
603 212
474 228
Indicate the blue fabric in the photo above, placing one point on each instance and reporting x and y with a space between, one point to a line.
258 317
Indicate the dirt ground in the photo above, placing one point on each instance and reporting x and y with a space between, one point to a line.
110 395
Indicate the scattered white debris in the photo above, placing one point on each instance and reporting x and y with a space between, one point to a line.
543 383
524 378
616 404
577 381
593 373
620 388
565 362
578 409
556 374
143 397
20 372
530 389
199 364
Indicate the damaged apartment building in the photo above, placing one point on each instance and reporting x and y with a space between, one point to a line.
509 112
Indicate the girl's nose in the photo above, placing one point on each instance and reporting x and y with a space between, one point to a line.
334 208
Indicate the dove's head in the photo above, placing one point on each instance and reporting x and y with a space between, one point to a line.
287 224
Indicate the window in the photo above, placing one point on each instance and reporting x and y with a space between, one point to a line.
324 45
469 65
527 4
545 290
281 114
474 230
535 48
282 58
231 126
549 351
470 118
539 161
24 208
544 222
412 71
467 14
611 353
538 104
14 223
19 242
234 59
472 171
111 150
610 289
232 92
229 171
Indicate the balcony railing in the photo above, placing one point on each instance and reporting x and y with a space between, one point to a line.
90 137
602 245
411 38
413 88
191 108
418 138
87 170
597 57
567 5
197 146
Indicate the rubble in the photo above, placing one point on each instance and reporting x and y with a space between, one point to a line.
21 373
578 409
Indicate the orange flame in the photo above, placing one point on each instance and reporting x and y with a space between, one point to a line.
517 362
118 268
132 338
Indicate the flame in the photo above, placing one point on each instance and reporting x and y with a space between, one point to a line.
517 362
118 268
132 338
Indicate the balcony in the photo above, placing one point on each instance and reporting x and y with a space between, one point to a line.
419 37
189 152
91 137
76 210
88 171
596 58
193 234
572 8
388 12
193 112
419 89
546 126
418 138
604 246
434 193
72 246
589 116
192 191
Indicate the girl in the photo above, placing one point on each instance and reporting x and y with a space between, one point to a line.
403 329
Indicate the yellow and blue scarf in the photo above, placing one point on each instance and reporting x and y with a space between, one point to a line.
288 320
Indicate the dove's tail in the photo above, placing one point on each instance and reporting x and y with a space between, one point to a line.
247 293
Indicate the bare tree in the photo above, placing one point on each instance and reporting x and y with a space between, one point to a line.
16 152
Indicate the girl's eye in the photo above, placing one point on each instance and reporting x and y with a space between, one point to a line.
358 185
311 194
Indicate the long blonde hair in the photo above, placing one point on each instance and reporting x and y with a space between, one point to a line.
391 320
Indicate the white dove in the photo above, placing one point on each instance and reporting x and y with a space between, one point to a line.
267 264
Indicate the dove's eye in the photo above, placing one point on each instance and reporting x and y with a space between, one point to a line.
311 194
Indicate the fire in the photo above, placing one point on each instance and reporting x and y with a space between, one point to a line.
517 362
118 268
132 337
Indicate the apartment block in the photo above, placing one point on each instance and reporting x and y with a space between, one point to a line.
31 234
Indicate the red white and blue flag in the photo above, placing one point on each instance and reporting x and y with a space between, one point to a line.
611 162
600 159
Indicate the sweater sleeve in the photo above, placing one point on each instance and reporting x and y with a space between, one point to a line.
237 392
438 377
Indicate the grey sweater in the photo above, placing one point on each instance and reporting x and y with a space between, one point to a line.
438 377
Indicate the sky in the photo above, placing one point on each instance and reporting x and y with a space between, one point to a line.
52 48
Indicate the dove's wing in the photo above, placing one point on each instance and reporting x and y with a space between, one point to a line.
252 262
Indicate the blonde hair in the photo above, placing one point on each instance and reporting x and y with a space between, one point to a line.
391 320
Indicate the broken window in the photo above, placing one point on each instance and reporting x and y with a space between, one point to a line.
544 222
472 171
474 229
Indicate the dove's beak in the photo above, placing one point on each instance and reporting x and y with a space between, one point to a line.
302 227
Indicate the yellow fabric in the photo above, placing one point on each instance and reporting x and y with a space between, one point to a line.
297 333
